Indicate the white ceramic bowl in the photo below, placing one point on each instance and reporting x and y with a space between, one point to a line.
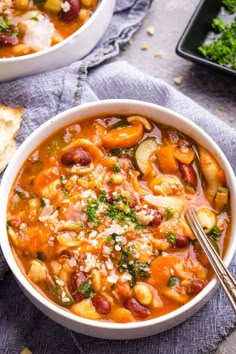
64 53
107 329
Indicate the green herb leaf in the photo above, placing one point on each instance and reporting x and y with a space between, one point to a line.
169 212
102 196
116 167
214 233
34 18
222 49
86 289
4 27
172 281
92 210
171 237
230 5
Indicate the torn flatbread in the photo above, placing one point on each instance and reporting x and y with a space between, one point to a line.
10 120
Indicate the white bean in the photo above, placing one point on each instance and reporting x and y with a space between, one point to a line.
143 294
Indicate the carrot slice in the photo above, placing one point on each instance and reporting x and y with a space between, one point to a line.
124 137
185 157
161 269
166 159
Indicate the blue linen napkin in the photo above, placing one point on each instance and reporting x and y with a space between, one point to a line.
44 96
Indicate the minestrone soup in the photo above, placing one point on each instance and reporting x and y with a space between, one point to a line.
29 26
96 218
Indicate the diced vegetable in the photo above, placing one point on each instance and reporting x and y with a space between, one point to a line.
143 154
53 5
221 198
166 159
184 155
123 137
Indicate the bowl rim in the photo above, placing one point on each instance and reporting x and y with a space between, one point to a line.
83 28
5 244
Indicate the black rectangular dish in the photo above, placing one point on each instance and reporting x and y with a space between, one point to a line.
197 31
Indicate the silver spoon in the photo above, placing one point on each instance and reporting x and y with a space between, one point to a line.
224 276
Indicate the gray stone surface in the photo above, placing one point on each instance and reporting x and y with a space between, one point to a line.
214 90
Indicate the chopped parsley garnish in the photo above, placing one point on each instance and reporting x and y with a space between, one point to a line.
169 212
86 289
114 212
8 223
128 263
102 196
42 203
171 237
92 207
109 239
214 233
222 49
34 18
65 191
40 255
172 281
58 207
230 5
116 167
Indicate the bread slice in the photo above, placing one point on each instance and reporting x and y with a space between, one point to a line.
10 120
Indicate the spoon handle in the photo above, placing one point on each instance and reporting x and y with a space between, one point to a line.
224 276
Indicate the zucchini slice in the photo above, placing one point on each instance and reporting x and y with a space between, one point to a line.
143 153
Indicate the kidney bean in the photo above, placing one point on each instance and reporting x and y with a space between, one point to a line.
195 286
77 278
76 156
157 219
181 241
101 305
79 297
188 173
73 11
8 40
136 308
